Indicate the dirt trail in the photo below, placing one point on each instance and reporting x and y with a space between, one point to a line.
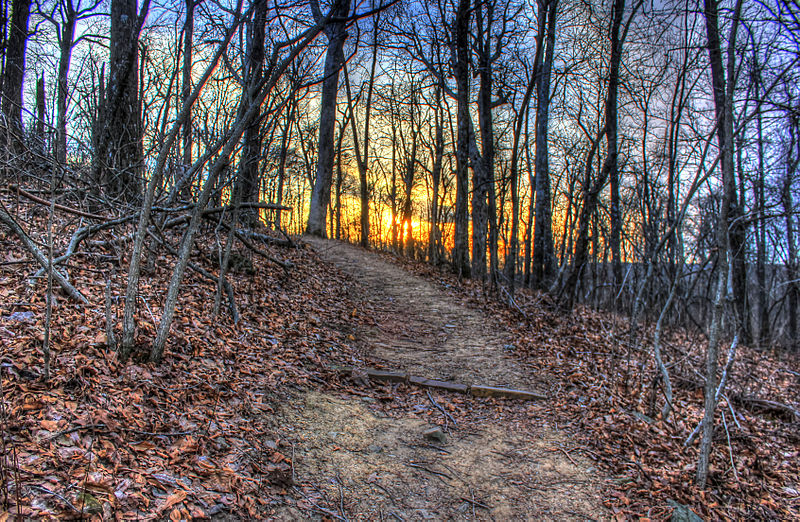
365 464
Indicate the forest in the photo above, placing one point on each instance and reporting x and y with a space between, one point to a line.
399 259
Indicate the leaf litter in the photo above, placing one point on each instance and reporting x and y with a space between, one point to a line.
253 420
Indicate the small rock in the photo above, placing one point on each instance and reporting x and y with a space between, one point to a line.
90 504
270 444
23 317
435 434
682 513
643 417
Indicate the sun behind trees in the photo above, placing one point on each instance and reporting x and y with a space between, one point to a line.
635 158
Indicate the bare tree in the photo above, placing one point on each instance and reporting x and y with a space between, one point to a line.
544 262
336 33
118 143
14 71
723 105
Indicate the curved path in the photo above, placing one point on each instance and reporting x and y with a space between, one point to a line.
356 461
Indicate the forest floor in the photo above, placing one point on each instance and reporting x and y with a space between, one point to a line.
504 459
258 419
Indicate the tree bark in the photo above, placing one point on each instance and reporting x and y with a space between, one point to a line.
483 168
610 166
334 59
723 105
14 72
118 148
186 90
544 262
460 30
247 185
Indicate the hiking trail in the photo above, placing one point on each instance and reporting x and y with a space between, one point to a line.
364 462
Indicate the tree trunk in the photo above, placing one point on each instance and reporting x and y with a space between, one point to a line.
761 234
461 264
513 250
544 262
531 209
362 161
610 166
118 150
791 261
363 164
14 72
66 40
590 195
41 137
247 185
483 168
334 59
723 105
134 268
408 180
436 174
286 139
186 89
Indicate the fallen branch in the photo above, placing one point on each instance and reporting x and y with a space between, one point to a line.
9 221
475 503
286 265
22 192
743 400
103 427
83 233
769 406
566 454
265 238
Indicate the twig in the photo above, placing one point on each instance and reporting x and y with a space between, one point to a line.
317 507
341 496
286 265
447 415
434 446
86 479
294 480
513 303
562 450
49 293
54 494
445 475
733 412
474 502
730 449
101 426
110 340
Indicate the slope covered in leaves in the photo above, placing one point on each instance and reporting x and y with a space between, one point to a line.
610 394
195 436
190 437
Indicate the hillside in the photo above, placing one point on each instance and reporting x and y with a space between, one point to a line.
276 415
